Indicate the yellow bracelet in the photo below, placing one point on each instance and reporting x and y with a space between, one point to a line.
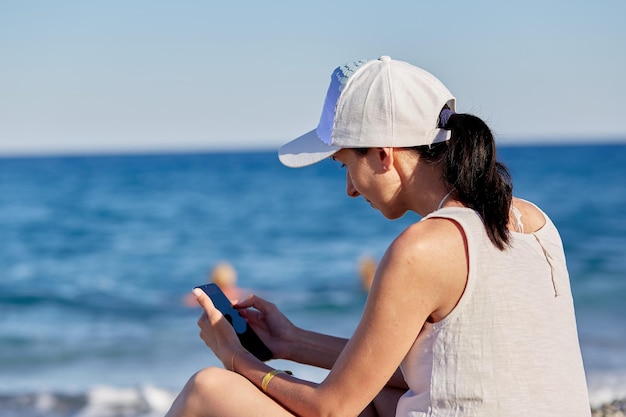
268 377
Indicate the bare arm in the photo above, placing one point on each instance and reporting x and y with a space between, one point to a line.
296 344
286 340
322 350
316 349
413 284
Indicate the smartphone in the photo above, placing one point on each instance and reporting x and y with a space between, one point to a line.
248 338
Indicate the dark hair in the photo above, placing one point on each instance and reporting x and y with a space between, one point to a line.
470 166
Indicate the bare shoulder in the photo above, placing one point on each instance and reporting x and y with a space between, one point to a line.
532 218
431 235
430 259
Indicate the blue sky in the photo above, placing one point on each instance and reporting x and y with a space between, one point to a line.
150 75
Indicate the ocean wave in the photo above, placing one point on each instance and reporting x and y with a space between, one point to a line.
606 387
99 401
607 392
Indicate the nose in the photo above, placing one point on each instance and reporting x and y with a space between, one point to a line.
350 190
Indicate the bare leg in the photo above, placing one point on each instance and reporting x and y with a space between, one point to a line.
218 392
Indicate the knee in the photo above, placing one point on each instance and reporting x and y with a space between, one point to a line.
201 389
206 382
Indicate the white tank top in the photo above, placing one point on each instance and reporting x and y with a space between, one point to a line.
510 346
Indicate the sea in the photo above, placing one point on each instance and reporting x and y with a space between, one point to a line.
98 253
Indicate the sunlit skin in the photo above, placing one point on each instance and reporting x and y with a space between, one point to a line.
407 184
393 180
420 278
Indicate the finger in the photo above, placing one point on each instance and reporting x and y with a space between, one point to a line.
252 301
263 306
251 316
204 300
245 303
203 317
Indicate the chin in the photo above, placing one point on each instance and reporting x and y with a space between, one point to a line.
393 215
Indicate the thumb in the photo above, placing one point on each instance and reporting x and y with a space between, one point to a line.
203 299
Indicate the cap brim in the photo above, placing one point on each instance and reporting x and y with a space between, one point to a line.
308 149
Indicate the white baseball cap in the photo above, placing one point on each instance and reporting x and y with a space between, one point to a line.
372 104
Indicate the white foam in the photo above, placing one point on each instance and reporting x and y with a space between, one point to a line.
606 387
104 401
155 401
157 398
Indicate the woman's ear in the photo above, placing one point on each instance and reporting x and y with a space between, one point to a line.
386 157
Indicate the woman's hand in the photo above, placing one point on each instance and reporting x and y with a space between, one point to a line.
215 330
271 325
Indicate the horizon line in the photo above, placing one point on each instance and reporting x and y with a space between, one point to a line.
270 147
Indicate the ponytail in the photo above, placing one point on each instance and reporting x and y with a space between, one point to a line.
470 167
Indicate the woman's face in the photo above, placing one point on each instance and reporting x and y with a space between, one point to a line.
367 175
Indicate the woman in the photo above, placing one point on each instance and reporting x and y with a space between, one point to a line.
470 312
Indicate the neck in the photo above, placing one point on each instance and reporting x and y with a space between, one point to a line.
444 199
422 185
